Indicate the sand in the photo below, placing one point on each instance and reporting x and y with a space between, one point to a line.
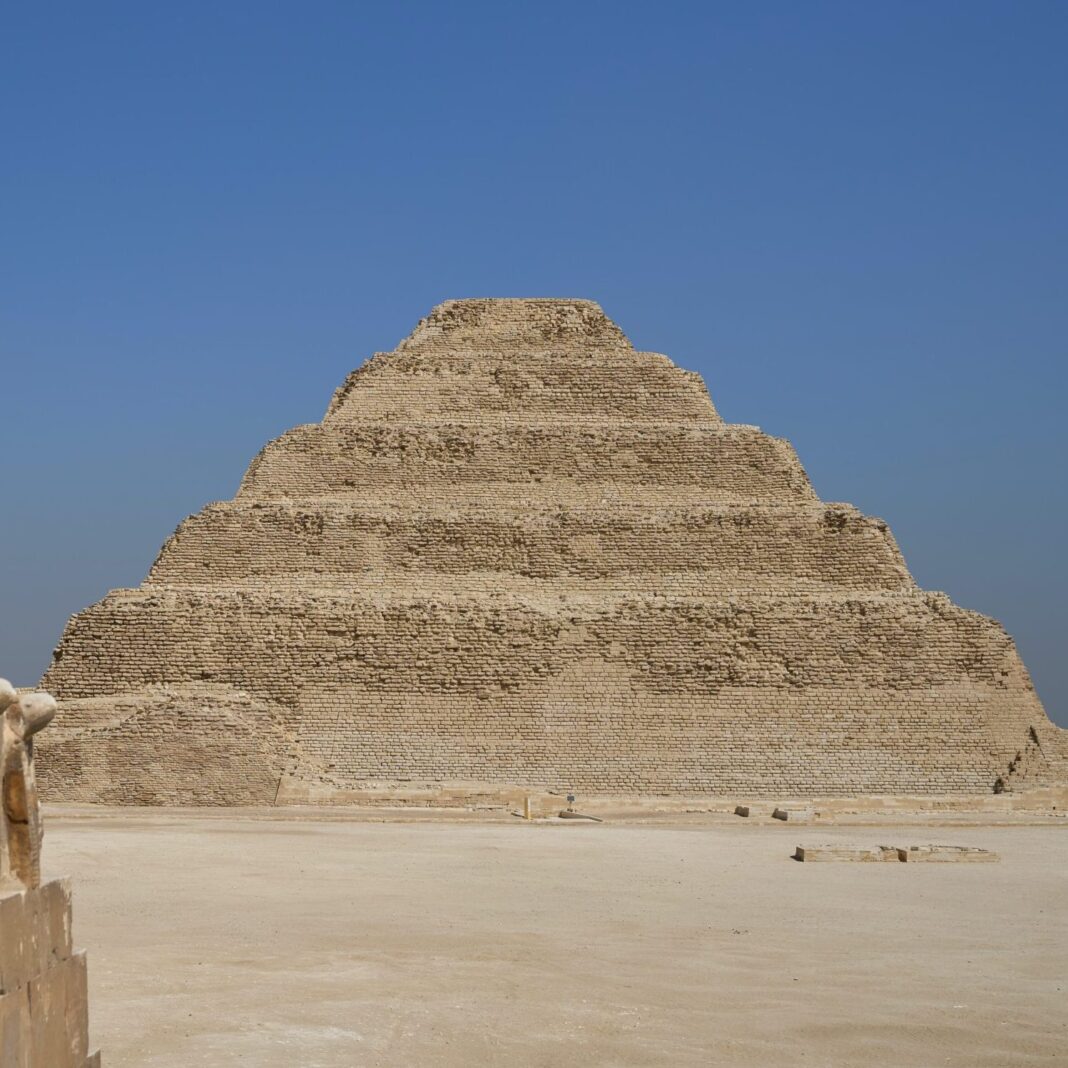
226 940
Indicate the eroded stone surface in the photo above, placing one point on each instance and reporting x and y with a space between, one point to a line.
851 853
518 552
44 1011
933 854
943 854
21 717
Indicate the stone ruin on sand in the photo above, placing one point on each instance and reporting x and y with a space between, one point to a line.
516 551
44 1001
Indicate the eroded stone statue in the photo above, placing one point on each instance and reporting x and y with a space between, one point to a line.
44 999
21 717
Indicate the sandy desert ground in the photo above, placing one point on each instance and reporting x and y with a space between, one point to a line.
227 940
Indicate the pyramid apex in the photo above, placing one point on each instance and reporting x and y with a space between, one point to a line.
522 322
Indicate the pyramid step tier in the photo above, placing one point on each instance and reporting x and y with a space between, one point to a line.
710 547
516 326
565 464
606 693
266 641
623 385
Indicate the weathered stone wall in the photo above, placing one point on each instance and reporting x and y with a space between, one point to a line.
516 551
696 550
188 744
558 465
44 1007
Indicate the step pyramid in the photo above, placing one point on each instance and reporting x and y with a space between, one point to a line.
517 552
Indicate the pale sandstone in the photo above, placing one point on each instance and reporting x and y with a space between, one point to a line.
930 854
943 854
517 552
856 854
21 717
44 1011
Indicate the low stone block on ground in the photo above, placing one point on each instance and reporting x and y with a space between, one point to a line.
860 854
917 854
943 854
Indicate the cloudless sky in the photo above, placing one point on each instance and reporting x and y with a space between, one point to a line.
849 217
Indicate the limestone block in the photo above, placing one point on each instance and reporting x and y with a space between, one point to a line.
17 950
43 987
59 1014
945 854
16 1040
847 853
55 918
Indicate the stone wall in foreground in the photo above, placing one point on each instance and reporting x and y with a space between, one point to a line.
44 1006
516 551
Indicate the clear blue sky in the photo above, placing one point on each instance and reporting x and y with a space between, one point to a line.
850 217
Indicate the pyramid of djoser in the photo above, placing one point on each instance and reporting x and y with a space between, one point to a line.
517 552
